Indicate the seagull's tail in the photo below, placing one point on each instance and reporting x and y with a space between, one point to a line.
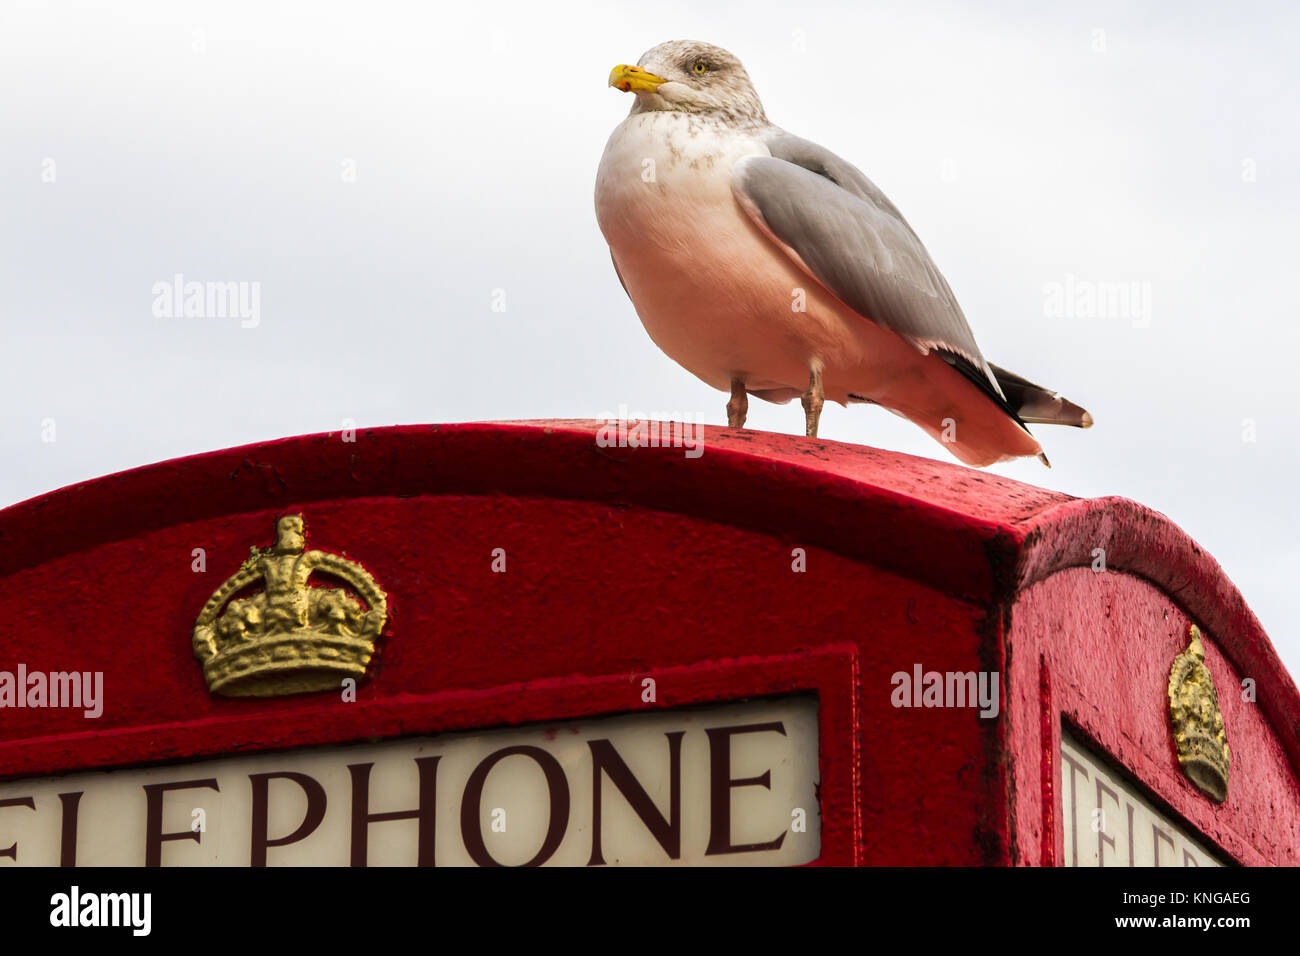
1037 405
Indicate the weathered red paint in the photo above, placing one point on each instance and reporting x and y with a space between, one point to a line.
627 563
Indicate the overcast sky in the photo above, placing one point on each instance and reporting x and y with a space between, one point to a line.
387 172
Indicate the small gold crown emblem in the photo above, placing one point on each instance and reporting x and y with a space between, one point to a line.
291 637
1197 721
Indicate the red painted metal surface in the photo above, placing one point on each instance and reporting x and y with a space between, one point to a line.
1102 644
624 563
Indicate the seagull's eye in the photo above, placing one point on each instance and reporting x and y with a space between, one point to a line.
700 68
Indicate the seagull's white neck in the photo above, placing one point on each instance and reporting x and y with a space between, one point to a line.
671 149
741 120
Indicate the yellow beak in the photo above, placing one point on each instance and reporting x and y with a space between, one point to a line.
633 79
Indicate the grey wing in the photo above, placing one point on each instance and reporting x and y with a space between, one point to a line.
843 230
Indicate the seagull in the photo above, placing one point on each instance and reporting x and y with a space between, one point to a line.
766 265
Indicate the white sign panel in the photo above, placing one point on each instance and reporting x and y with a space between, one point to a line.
725 785
1108 823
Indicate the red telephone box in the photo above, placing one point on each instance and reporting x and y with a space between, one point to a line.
574 642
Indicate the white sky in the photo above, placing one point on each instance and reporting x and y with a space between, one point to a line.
1023 145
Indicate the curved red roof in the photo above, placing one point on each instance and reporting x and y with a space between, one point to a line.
967 533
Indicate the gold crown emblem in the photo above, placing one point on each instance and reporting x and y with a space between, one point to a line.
291 637
1197 721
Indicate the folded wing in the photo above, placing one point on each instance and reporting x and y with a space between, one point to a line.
845 233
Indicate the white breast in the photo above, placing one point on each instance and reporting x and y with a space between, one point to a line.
709 288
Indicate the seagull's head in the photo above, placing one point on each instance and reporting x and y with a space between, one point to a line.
691 77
